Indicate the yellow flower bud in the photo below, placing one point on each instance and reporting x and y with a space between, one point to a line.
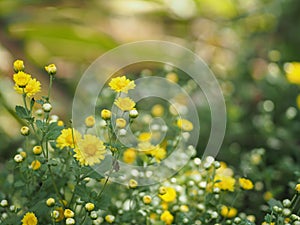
23 154
90 121
297 188
35 165
37 150
68 213
19 65
162 190
51 69
109 218
120 123
105 114
147 199
89 206
133 183
25 130
50 202
60 123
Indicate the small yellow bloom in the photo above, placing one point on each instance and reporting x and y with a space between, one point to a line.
157 110
228 212
145 136
60 123
33 86
184 208
293 72
120 123
224 182
185 125
162 190
105 114
67 138
23 154
133 183
90 121
129 155
51 69
147 199
50 202
121 84
159 154
35 165
90 150
25 130
29 219
246 184
172 77
89 206
125 104
21 79
18 65
167 217
68 213
297 188
37 150
58 214
169 196
267 196
109 218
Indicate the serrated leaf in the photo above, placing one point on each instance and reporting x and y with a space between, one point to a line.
21 112
40 101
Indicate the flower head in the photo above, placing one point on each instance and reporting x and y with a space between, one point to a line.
51 69
29 219
228 212
89 206
90 150
293 72
246 184
35 165
37 150
147 199
18 65
224 182
68 138
105 114
185 125
133 183
21 79
50 202
121 84
167 217
109 218
68 213
33 86
120 123
90 121
169 195
297 188
129 155
25 130
125 104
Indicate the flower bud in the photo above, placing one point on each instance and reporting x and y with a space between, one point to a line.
89 206
94 215
162 190
19 65
18 158
70 221
50 202
133 183
51 69
286 203
37 150
120 123
25 131
147 199
105 114
4 203
297 188
90 121
109 218
47 107
68 213
133 113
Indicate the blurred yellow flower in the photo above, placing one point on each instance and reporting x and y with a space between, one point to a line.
169 196
225 183
268 195
60 215
129 155
68 213
157 110
145 136
35 165
147 199
298 101
33 86
120 123
246 184
51 69
90 150
109 218
18 65
90 121
125 104
66 138
297 188
89 206
133 183
172 77
167 217
29 219
292 70
121 84
185 125
228 212
159 153
105 114
21 79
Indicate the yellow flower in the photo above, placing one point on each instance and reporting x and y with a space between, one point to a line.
25 130
125 104
298 101
68 213
159 154
50 202
90 150
29 219
167 217
60 123
109 218
19 65
133 183
169 196
184 208
185 125
297 188
121 84
59 215
172 77
35 165
228 212
224 182
129 155
147 199
293 72
120 122
37 150
89 206
105 114
21 79
145 136
51 69
157 110
267 196
90 121
66 138
246 184
33 86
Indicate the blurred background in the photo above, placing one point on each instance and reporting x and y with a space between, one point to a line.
246 43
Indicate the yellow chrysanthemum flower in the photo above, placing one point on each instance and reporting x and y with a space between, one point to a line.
246 184
129 155
225 183
267 196
66 138
90 150
159 154
125 104
169 195
157 110
185 125
29 219
18 65
51 69
297 188
35 165
145 136
90 121
33 86
121 84
293 72
228 212
167 217
21 79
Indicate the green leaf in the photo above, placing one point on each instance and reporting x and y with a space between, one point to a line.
21 112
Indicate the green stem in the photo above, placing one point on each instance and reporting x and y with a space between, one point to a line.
50 87
53 182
